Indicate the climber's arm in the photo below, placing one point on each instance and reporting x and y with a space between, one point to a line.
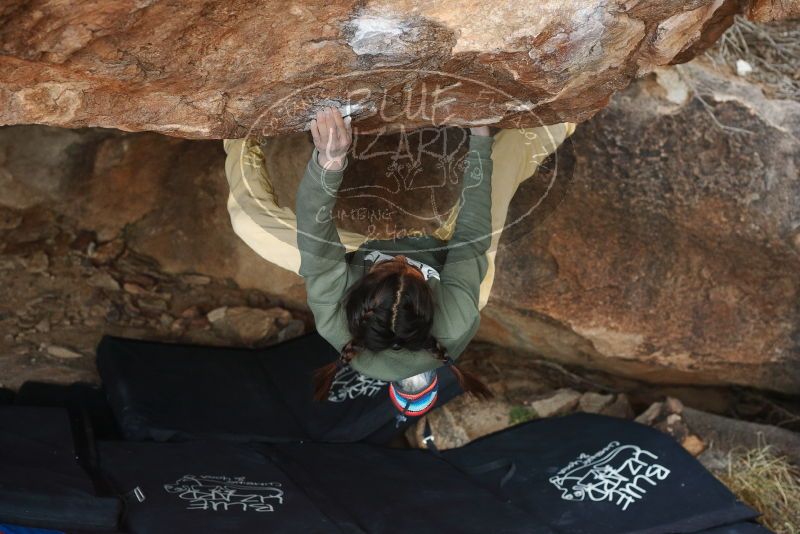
457 316
322 255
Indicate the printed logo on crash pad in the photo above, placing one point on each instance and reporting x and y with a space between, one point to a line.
223 494
349 384
617 473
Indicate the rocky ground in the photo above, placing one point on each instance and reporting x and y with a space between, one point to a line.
526 388
62 290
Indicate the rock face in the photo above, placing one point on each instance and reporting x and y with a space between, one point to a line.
221 68
674 255
166 195
252 327
769 10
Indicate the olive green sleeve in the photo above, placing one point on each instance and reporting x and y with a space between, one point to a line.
322 256
457 316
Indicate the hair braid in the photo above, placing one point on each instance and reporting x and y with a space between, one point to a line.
324 376
469 382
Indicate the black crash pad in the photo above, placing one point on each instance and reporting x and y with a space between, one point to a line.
592 474
41 482
163 391
202 486
576 474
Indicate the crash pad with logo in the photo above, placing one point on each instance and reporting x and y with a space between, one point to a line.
591 474
164 391
204 486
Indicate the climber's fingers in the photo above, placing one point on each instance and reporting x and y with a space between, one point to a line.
332 134
341 129
348 122
323 125
315 133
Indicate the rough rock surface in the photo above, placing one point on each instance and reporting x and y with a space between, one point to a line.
167 196
674 254
727 434
560 402
217 68
769 10
251 327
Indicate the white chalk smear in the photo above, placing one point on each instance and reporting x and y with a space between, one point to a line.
377 35
347 110
743 68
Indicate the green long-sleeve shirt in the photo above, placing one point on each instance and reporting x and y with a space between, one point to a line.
461 263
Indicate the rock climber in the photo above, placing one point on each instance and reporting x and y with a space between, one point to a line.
395 310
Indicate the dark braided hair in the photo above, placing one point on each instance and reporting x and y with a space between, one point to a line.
323 377
391 307
469 382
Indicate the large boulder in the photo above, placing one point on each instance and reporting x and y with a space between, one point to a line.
665 245
674 255
223 68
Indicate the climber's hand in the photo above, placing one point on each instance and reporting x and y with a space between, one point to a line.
332 137
480 130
